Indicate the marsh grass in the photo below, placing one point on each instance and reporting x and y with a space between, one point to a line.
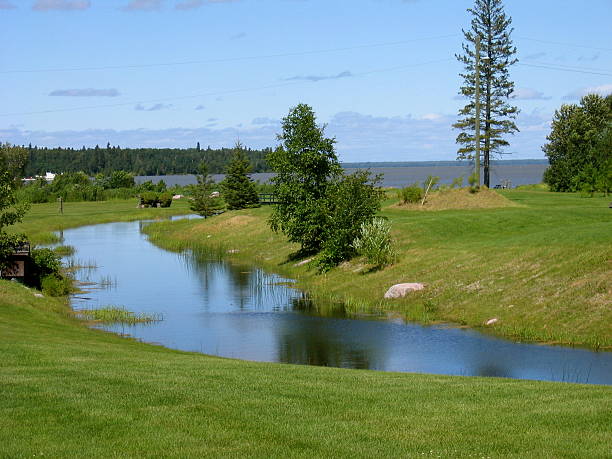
117 314
64 250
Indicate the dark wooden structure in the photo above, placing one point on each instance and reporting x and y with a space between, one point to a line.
20 259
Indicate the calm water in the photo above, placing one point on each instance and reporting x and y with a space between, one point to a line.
237 311
517 174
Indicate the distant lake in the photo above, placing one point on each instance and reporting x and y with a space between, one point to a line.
397 177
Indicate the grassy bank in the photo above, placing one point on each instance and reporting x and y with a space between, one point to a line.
43 219
71 391
540 265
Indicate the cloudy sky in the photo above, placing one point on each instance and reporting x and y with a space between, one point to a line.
380 73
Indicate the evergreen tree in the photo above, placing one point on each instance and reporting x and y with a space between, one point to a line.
202 200
490 23
238 189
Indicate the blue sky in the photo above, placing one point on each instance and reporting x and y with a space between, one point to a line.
380 73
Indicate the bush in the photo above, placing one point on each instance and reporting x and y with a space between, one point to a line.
353 200
375 244
411 194
165 199
56 285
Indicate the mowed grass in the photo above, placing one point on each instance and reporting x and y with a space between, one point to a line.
42 219
69 391
541 266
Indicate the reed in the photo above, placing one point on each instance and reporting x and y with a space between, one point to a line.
117 314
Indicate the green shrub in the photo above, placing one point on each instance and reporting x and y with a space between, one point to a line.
53 285
411 194
165 199
46 262
375 244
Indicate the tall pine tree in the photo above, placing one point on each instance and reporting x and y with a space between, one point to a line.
238 189
497 54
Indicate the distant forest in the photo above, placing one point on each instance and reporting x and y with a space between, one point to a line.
138 161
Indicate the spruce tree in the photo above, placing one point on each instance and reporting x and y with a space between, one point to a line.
202 199
497 54
238 189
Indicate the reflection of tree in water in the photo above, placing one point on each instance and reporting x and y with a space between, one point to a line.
244 286
320 341
491 369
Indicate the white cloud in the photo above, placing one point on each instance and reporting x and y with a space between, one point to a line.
529 94
143 5
359 137
602 90
63 5
6 5
152 108
345 74
87 92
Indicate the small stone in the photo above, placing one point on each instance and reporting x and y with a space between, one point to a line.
492 321
303 262
39 295
401 290
233 251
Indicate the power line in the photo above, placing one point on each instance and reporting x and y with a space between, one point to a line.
227 59
565 44
575 67
216 93
564 69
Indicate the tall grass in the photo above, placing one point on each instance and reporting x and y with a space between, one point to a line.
117 314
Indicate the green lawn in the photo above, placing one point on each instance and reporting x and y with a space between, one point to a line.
44 218
542 268
71 391
67 390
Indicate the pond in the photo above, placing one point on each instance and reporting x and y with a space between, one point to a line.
230 310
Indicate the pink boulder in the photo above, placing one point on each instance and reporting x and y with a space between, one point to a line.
401 290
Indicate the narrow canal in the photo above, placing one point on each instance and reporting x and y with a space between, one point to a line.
242 312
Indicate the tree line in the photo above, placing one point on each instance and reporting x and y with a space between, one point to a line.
138 161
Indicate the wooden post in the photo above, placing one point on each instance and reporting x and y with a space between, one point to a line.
61 203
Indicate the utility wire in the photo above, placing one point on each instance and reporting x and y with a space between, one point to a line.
564 44
216 93
227 59
564 69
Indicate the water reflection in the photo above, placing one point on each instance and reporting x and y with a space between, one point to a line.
238 311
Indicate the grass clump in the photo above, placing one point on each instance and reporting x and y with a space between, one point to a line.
375 244
412 194
118 314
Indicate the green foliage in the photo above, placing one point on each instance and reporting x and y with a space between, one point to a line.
490 23
46 262
116 179
411 194
54 285
353 200
579 147
473 181
374 242
431 182
138 161
306 167
239 191
118 314
457 182
202 199
165 199
14 160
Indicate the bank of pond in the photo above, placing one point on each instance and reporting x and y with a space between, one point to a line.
215 307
